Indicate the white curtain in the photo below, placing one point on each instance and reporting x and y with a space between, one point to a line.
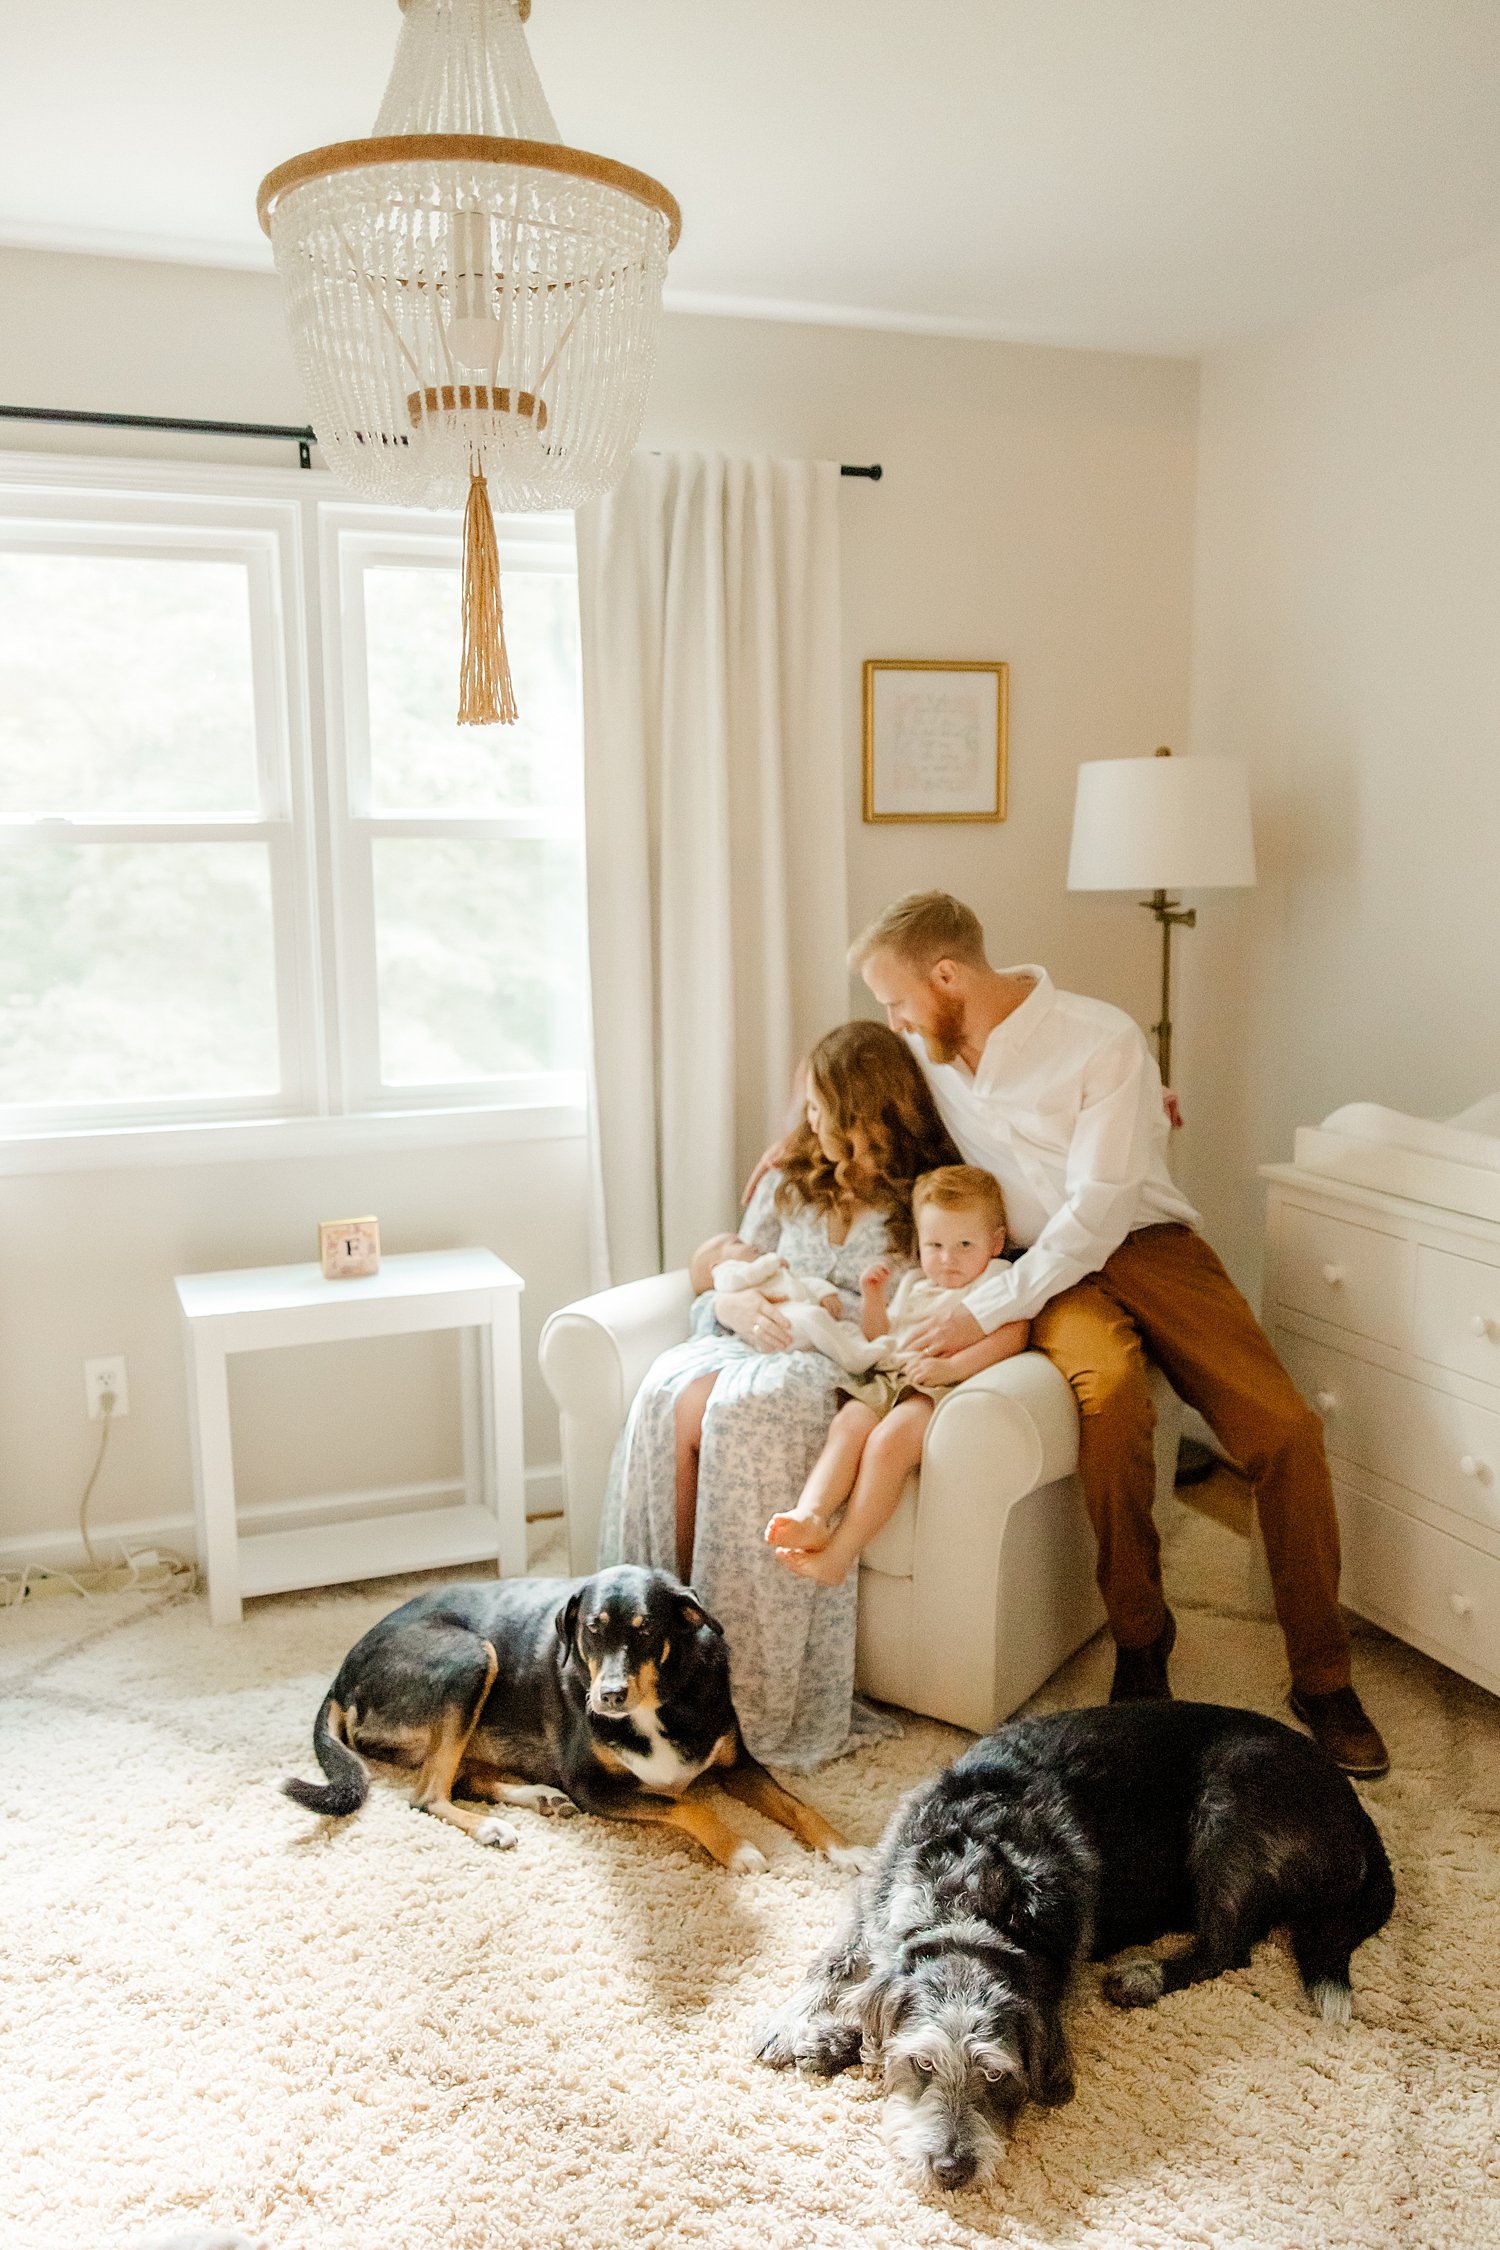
713 755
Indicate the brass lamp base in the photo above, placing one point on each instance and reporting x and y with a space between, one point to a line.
1168 911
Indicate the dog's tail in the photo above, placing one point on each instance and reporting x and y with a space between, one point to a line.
1322 1946
348 1783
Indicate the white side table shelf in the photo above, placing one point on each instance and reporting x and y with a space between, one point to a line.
264 1306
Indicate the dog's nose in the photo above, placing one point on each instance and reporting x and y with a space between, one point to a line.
612 1698
953 2171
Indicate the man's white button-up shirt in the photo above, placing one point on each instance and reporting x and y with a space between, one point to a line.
1066 1110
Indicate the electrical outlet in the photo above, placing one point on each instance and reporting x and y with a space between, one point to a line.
101 1375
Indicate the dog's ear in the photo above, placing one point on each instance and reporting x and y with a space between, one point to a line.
1045 2057
694 1615
881 2002
1041 1913
567 1622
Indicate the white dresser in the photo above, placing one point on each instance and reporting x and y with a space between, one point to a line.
1387 1313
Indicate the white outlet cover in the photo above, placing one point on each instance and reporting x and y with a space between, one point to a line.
100 1375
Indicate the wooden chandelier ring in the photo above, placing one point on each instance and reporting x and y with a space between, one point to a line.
467 148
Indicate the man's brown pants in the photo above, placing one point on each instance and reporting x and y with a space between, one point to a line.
1165 1293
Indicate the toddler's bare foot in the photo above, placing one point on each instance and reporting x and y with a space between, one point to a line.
806 1533
823 1569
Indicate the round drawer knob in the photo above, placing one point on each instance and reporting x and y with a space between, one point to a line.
1461 1605
1480 1325
1470 1466
1324 1401
1333 1275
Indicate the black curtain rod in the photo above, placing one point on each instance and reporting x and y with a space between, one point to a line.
304 438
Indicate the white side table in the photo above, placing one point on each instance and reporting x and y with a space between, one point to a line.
263 1306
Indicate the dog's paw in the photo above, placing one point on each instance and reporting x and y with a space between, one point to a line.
853 1858
825 2046
747 1859
775 2044
554 1804
1135 1984
820 2044
497 1833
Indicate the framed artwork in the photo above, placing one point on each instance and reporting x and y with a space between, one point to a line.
935 740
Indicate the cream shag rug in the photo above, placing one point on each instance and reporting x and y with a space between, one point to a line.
213 2009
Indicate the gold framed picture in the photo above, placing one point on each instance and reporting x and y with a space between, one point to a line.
935 739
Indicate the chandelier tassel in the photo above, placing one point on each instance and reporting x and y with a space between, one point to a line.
485 693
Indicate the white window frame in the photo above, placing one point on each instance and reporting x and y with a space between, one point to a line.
352 539
288 525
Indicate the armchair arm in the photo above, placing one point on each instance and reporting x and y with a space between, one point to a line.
1027 1408
994 1439
1003 1584
593 1356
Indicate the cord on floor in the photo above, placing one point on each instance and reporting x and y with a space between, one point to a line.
150 1569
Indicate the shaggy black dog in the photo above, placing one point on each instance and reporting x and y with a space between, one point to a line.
1061 1839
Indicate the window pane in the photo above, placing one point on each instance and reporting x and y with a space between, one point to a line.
480 956
133 971
421 760
125 687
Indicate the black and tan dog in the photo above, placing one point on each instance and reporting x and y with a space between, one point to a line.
605 1695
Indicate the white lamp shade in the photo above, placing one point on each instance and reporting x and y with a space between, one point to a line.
1161 824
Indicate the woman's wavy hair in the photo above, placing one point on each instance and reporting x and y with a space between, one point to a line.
866 1077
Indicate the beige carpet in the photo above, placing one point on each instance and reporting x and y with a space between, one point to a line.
212 2009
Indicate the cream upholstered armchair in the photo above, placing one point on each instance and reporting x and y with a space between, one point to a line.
981 1584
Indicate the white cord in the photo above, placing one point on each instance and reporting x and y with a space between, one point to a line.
166 1568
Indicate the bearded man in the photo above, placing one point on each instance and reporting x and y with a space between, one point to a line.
1059 1097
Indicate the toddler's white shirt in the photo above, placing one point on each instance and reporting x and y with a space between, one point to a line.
918 1299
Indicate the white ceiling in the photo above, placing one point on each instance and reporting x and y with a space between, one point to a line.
1153 175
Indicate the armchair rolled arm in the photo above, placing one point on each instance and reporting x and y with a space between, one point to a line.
1003 1434
593 1356
1022 1410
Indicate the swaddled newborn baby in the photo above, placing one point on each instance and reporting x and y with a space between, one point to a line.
813 1308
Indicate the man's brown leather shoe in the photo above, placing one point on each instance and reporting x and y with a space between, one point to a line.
1343 1730
1141 1673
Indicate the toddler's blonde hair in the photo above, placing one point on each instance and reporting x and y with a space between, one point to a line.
961 1187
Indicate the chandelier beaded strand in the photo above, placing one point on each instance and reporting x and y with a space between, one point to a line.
473 305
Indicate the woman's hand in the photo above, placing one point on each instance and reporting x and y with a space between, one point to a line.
944 1334
930 1369
754 1319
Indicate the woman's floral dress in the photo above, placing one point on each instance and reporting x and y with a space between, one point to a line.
791 1643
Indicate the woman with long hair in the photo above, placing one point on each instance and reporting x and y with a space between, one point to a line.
725 1429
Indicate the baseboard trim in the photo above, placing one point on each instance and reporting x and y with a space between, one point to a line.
63 1550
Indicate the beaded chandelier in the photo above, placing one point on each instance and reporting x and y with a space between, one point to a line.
473 305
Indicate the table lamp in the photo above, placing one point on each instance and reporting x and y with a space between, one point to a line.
1162 824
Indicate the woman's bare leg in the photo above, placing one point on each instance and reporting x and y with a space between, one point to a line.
688 1417
808 1525
890 1455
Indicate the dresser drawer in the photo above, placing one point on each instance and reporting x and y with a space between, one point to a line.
1349 1275
1456 1321
1417 1580
1443 1447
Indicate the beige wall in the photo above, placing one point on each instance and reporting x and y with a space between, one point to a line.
1347 643
1037 506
